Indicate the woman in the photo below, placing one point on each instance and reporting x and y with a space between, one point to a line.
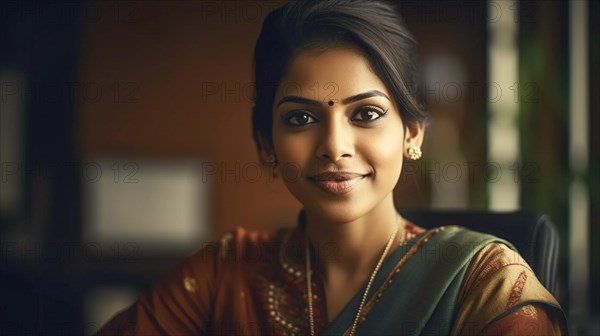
337 103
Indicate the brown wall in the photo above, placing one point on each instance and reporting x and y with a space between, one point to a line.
159 67
155 60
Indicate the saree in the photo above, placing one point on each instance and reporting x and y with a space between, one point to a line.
445 281
420 286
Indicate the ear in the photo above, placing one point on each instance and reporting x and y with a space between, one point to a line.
413 136
265 148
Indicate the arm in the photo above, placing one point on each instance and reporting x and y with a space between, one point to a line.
180 304
532 319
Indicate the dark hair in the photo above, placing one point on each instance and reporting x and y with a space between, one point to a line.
373 27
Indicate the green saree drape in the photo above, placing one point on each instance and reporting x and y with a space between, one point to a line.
417 288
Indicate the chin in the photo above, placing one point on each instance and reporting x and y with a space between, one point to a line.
336 212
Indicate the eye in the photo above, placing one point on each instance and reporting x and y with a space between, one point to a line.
298 118
368 114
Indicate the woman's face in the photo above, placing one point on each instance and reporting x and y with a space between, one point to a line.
342 159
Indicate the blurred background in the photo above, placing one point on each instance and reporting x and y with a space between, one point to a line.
126 144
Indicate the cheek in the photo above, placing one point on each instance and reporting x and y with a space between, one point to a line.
290 148
385 150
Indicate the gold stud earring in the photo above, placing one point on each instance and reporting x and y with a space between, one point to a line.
271 160
414 153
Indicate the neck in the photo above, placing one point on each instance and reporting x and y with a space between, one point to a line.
352 247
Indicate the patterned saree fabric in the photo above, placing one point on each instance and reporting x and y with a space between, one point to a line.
445 281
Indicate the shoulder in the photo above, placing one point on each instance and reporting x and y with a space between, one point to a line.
453 234
239 244
495 259
242 236
183 302
224 255
499 282
491 262
460 235
456 243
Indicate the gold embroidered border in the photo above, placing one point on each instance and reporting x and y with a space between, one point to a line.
528 311
517 290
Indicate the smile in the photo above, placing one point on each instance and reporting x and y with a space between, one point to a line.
337 183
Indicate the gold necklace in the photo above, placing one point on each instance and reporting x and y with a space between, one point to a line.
365 294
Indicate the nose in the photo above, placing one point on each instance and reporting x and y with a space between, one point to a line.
336 141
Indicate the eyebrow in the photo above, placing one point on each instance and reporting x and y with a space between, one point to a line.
299 100
364 95
345 101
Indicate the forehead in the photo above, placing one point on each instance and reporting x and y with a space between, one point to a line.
337 72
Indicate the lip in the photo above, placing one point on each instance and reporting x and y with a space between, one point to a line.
337 183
